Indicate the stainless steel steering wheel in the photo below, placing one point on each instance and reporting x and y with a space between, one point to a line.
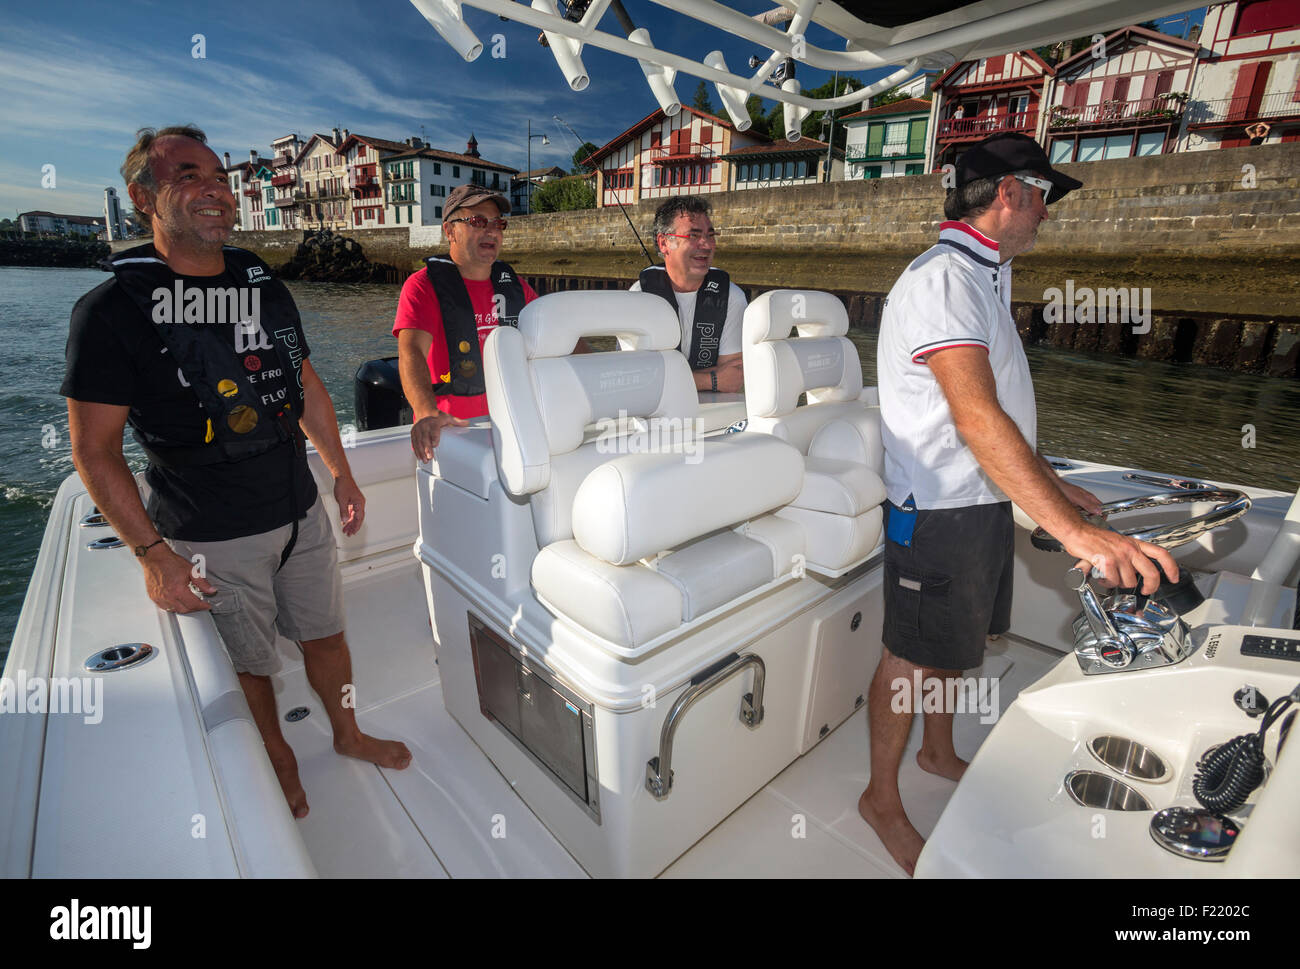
1229 506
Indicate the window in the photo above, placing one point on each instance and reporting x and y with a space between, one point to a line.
766 171
1091 149
801 170
1119 146
496 179
913 169
437 211
455 171
896 133
397 216
437 168
871 171
742 173
1062 150
1150 143
916 136
789 169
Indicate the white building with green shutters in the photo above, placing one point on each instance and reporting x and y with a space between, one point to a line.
887 140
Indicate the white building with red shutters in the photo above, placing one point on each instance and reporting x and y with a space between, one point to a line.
362 155
1247 86
975 99
661 156
1120 97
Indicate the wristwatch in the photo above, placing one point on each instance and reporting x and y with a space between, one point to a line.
142 550
713 380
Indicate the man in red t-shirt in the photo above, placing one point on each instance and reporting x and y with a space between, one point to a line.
477 291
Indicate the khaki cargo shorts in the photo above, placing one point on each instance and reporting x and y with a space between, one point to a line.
255 597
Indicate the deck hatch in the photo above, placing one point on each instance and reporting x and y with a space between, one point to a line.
549 722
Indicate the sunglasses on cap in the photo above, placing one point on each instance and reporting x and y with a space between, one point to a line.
1040 183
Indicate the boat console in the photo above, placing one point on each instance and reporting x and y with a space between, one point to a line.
638 619
1149 773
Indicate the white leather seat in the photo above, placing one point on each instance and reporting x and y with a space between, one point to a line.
838 431
648 525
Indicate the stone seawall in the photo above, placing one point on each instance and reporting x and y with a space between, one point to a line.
1210 239
1256 345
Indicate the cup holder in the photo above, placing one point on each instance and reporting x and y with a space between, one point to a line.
1129 758
1094 789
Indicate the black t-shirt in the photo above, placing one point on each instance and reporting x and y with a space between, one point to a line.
115 356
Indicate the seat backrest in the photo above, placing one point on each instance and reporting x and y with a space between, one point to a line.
822 363
543 398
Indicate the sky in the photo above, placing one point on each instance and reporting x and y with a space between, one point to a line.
78 78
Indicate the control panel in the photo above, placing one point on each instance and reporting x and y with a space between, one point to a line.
1271 647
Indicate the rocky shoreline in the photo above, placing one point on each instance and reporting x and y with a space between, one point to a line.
53 253
323 257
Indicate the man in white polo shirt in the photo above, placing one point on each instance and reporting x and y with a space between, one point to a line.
960 432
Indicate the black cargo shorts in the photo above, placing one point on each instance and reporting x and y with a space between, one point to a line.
951 587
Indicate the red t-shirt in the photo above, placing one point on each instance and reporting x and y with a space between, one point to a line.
418 309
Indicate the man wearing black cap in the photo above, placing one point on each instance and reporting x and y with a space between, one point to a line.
447 310
960 431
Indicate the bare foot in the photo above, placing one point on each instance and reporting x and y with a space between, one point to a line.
384 753
893 828
951 767
285 766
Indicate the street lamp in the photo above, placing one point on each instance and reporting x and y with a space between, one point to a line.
528 177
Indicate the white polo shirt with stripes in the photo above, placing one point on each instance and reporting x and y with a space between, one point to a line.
956 294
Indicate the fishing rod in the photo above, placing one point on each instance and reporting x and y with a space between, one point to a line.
649 258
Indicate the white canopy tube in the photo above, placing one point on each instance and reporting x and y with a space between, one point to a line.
732 99
566 50
659 78
448 21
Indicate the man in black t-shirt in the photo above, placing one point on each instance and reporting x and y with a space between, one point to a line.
201 350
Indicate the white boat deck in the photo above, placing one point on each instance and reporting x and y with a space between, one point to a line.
452 814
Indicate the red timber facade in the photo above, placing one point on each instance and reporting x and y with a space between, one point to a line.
362 155
1120 98
975 99
1247 88
661 156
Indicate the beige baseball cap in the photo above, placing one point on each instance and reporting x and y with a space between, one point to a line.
463 196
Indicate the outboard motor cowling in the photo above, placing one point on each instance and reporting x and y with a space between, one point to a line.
378 396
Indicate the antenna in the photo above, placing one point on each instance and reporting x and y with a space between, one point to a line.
649 258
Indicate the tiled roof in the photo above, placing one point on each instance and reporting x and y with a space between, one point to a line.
905 106
651 118
539 172
437 154
781 146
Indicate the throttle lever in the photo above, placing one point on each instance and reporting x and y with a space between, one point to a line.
1113 647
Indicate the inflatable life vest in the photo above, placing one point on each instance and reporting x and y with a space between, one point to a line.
240 426
466 359
710 311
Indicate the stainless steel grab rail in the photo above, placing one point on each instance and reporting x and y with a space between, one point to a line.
1165 481
659 770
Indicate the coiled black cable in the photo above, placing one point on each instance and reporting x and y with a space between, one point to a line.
1227 774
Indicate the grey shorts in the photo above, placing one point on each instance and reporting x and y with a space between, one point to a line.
951 588
255 597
